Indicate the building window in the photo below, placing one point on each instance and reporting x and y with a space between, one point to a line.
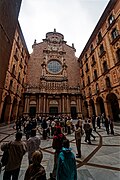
118 55
11 84
88 80
114 34
108 84
90 93
54 66
82 73
91 48
13 70
102 51
99 37
83 84
95 74
86 58
93 60
97 88
87 69
19 77
111 19
105 67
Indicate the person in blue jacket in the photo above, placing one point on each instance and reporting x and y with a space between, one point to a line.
66 169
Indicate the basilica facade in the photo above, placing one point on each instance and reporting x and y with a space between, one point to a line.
53 78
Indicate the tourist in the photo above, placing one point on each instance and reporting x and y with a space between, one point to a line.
111 121
35 171
57 145
89 121
78 135
16 149
66 169
86 128
33 144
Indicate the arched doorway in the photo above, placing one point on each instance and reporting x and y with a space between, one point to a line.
53 107
6 109
32 108
92 107
113 106
73 110
100 106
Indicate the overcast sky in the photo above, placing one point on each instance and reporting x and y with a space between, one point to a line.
75 19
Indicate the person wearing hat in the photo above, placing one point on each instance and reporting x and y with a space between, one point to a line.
35 171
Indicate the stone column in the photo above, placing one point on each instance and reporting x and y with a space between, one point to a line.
16 110
47 110
96 109
44 103
107 107
1 108
39 104
63 103
68 105
10 110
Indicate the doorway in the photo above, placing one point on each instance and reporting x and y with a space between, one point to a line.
32 111
53 110
73 112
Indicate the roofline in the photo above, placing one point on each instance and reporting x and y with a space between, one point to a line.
101 21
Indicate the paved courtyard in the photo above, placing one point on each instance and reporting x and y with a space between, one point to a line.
99 161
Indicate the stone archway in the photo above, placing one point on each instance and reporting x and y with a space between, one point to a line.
100 106
113 106
92 108
6 109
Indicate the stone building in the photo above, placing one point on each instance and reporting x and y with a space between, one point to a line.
100 66
9 11
15 80
53 78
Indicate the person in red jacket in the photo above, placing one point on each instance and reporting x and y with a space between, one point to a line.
57 145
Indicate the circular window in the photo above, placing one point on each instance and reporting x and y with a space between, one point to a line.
54 66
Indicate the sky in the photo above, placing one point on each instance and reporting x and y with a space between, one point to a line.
75 19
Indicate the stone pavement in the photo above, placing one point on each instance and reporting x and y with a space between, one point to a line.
100 160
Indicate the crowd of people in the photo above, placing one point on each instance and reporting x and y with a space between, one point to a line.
56 128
